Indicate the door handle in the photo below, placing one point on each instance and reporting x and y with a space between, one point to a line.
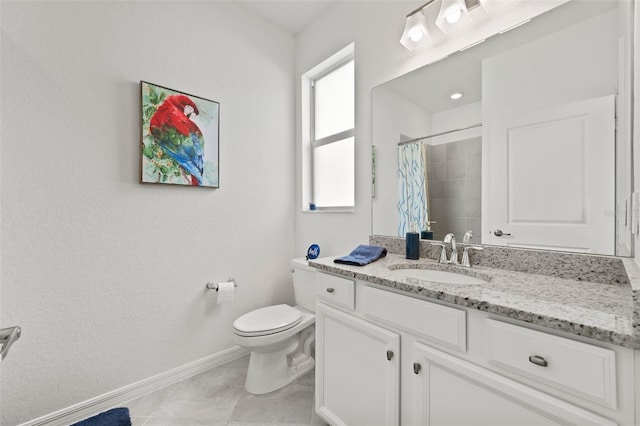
416 368
8 337
389 355
499 233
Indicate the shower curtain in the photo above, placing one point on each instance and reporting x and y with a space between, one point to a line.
412 188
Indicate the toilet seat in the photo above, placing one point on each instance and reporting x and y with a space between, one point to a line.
269 320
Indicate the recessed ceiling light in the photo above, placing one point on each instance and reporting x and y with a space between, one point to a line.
456 95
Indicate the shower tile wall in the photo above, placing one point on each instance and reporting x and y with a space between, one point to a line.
454 173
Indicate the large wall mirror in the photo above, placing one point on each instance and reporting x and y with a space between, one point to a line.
536 153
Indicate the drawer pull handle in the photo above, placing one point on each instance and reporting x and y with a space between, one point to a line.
416 368
389 355
538 360
330 290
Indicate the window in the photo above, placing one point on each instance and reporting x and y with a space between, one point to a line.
331 144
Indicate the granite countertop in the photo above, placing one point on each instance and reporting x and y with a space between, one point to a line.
601 311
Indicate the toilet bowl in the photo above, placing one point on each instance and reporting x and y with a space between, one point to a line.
280 337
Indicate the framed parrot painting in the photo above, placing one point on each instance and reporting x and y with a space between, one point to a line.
180 138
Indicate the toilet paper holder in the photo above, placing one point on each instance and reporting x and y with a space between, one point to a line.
214 286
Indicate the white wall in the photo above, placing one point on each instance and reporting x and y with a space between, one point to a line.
457 118
375 27
636 116
106 276
552 71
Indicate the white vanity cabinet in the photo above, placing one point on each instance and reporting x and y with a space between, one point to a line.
384 358
357 363
357 370
448 390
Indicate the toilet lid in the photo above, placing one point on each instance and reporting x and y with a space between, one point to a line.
269 320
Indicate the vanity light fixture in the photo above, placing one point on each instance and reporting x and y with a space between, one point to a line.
487 5
452 13
415 29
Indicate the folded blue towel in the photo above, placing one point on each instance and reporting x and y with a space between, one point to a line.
363 255
113 417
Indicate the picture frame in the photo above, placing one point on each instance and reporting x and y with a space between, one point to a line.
180 138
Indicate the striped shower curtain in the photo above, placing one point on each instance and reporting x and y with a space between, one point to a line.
412 188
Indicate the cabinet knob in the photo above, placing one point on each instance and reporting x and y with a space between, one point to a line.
538 360
389 355
330 290
416 368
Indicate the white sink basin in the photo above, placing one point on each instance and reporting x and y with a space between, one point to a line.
438 276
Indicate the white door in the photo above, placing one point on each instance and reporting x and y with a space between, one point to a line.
450 391
551 178
357 370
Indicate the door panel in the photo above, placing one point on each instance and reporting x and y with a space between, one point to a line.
552 177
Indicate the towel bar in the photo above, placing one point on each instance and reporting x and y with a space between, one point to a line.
214 286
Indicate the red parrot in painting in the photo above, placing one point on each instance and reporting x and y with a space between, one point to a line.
178 136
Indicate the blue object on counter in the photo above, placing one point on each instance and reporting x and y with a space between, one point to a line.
313 251
362 255
413 245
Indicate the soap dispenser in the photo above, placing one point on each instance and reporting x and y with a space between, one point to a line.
413 244
427 234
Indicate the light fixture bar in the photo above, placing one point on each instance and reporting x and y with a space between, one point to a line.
421 8
452 13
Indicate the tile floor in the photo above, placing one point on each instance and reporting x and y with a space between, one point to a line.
217 398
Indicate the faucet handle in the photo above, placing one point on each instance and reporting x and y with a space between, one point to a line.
465 254
443 252
467 237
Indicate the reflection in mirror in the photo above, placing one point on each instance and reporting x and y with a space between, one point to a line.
541 155
432 167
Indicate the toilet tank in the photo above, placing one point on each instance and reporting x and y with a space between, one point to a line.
304 283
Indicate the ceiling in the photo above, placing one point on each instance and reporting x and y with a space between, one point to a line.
290 15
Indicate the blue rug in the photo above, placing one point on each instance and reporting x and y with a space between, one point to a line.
113 417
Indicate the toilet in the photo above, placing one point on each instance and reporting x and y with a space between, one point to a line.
280 336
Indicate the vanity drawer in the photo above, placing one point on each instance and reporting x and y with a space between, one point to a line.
336 290
429 321
578 368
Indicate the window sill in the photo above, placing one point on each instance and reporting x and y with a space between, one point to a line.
330 210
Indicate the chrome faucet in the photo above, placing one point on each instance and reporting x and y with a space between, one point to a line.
450 239
466 241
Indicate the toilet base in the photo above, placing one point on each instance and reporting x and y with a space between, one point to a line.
270 371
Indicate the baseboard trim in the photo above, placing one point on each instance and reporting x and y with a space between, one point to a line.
103 402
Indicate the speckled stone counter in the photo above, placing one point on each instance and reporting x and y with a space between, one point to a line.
633 272
601 311
575 266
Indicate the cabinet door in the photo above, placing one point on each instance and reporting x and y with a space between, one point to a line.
357 370
450 391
